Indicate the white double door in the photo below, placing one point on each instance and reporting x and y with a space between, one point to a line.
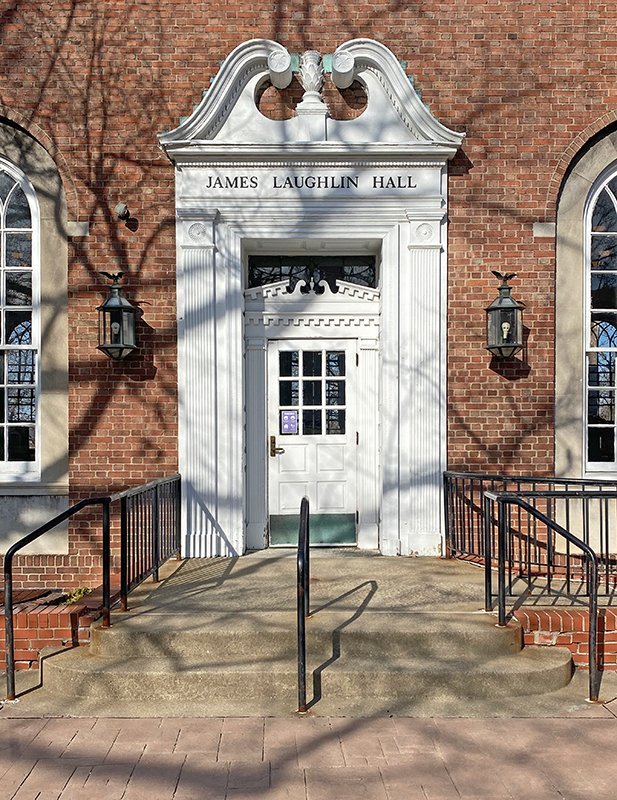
312 439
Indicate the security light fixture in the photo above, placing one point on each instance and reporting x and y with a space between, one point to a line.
117 318
122 212
504 321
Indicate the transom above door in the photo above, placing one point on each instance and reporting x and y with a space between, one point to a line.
312 439
313 270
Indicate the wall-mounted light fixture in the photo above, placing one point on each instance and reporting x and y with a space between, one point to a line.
122 212
504 321
117 318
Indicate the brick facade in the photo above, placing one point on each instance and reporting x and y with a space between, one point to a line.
95 83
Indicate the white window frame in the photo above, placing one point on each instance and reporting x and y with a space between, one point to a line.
594 466
29 471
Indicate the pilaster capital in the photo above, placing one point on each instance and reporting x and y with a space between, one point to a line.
196 227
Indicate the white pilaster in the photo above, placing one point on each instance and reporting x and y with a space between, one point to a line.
208 363
389 400
423 378
411 319
368 458
256 426
230 379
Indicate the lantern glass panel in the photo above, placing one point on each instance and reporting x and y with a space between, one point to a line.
116 326
128 322
504 330
504 327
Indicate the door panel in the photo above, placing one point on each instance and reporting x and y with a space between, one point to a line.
311 385
331 496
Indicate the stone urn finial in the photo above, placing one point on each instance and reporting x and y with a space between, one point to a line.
312 110
311 74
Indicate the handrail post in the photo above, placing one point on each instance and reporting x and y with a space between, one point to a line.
488 556
501 562
303 600
106 564
124 554
594 688
156 533
178 517
446 516
307 566
9 632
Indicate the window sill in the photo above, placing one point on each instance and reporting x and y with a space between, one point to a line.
15 487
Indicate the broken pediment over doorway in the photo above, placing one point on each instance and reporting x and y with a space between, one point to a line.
394 115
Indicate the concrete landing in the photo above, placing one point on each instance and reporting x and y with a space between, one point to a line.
340 579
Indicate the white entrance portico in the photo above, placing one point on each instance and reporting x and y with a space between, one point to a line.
375 187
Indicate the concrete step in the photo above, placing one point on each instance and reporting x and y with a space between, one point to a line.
219 638
534 670
340 686
258 687
502 686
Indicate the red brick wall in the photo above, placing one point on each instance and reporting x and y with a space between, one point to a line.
96 82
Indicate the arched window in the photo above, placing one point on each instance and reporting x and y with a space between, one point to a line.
586 312
601 328
19 323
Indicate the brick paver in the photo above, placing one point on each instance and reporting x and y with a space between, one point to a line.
312 758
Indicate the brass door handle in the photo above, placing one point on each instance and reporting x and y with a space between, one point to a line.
274 450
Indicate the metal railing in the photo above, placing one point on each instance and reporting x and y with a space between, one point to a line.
533 551
548 538
303 597
578 504
534 530
149 535
149 531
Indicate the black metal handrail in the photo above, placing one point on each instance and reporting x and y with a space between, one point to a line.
303 597
9 623
463 494
161 540
529 551
502 500
153 509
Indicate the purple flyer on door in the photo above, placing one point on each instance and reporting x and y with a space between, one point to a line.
289 422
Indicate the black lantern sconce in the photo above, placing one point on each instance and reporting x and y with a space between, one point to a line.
117 318
504 321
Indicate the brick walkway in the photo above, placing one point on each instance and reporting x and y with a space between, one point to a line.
309 759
